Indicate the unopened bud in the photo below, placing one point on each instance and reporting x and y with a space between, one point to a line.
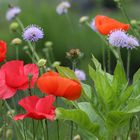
25 48
11 112
56 63
14 26
42 62
77 137
133 22
16 41
83 19
48 44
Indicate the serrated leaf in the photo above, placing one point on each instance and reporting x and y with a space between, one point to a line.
87 91
79 117
136 76
66 72
117 119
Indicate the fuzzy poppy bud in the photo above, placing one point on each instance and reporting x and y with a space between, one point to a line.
56 63
16 41
48 44
14 26
11 112
77 137
133 22
25 48
83 19
42 62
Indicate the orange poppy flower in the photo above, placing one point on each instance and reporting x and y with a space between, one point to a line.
53 83
105 24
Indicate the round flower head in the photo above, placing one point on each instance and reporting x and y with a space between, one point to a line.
12 13
63 7
92 25
33 33
118 38
80 75
132 42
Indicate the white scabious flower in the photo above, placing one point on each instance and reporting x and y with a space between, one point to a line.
63 7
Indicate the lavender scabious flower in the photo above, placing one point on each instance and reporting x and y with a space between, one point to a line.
118 38
92 25
12 13
80 75
63 7
32 33
132 42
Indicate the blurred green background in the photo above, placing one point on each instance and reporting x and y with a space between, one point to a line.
64 30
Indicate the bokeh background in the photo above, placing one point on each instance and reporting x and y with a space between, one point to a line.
64 30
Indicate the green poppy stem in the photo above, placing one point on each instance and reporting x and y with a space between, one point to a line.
128 62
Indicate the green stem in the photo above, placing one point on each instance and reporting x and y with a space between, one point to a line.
103 58
109 61
47 130
24 130
128 63
33 125
17 52
57 122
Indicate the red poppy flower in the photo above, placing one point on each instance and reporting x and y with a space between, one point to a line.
14 76
53 83
105 25
37 108
3 50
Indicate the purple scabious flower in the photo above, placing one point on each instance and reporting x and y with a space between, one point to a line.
63 7
80 75
92 25
132 42
32 33
118 38
12 13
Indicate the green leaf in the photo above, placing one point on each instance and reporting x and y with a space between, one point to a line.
117 119
119 79
136 76
66 72
87 91
79 117
96 63
133 106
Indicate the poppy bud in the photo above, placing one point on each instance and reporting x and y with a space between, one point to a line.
42 62
48 44
77 137
56 63
14 26
11 112
16 41
83 19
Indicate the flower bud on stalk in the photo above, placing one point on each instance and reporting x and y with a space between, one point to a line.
74 54
56 63
48 44
83 19
14 26
77 137
16 41
42 62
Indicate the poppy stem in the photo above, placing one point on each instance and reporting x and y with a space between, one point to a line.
17 52
57 122
33 124
128 63
109 61
46 122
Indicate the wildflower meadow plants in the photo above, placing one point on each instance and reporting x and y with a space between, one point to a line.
61 99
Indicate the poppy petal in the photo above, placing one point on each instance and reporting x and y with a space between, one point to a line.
29 103
44 105
5 91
